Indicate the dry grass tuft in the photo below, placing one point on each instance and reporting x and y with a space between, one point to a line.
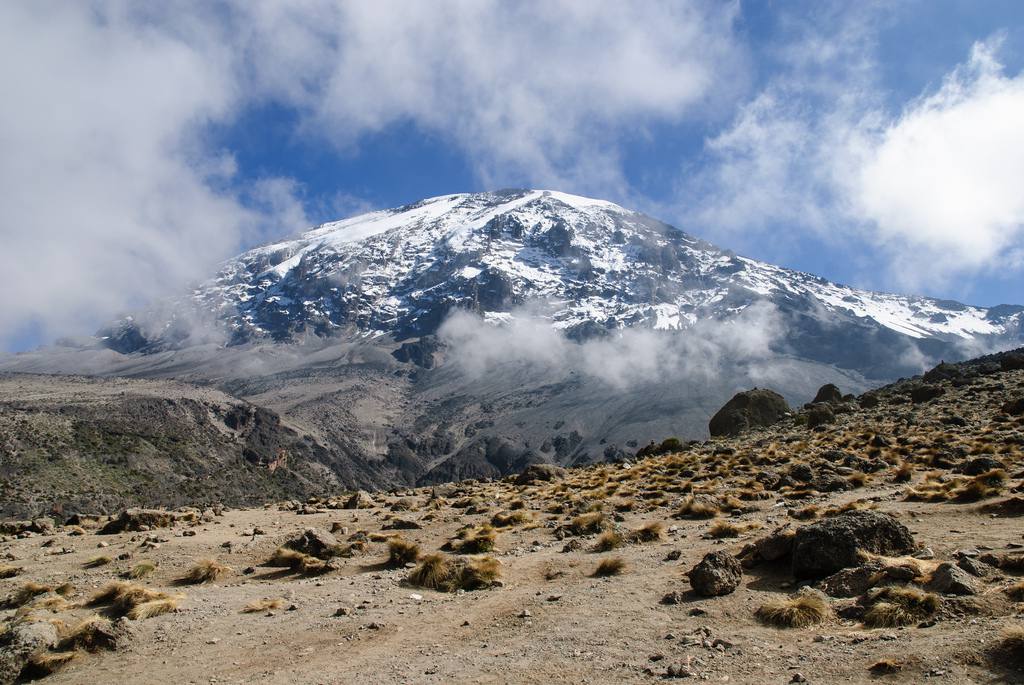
206 571
477 541
586 524
91 634
134 601
43 664
695 509
25 594
899 606
9 571
608 541
98 561
448 574
650 532
140 570
402 552
511 518
154 607
265 604
799 611
610 567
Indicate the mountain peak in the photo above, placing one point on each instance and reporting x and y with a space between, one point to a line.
593 267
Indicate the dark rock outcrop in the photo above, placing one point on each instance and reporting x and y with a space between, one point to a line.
829 394
718 573
749 409
828 546
315 542
536 473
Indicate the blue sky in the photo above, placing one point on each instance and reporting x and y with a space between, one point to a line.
874 144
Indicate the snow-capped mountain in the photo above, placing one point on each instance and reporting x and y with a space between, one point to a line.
347 333
587 265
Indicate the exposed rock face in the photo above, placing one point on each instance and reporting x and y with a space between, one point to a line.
139 520
773 547
535 473
828 546
315 542
828 394
749 409
421 352
851 582
19 642
360 500
819 415
717 574
926 393
950 579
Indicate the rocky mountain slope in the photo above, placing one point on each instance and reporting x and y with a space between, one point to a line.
881 544
76 444
469 335
589 266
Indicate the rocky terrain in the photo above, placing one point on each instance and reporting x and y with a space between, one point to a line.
76 444
874 538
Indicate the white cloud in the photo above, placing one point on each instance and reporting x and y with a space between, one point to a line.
108 195
944 180
530 90
627 357
923 196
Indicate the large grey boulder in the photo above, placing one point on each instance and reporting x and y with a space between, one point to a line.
717 574
828 546
315 542
535 473
748 409
19 642
828 394
949 579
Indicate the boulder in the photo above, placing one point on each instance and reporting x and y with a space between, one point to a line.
537 473
980 465
360 500
315 542
19 642
926 393
950 579
819 415
717 574
868 400
1014 407
828 394
749 409
1012 361
775 546
943 372
828 546
135 520
851 582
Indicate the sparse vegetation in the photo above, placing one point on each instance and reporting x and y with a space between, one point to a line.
610 567
261 605
206 571
402 552
899 606
799 611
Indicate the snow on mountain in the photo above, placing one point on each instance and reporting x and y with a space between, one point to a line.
588 265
